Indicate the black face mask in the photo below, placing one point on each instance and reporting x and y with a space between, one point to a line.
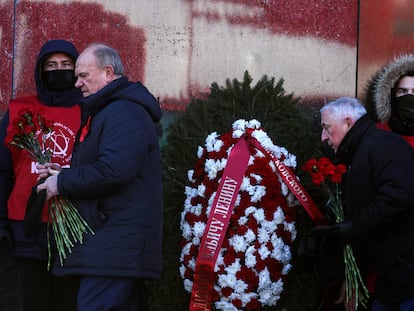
59 80
403 107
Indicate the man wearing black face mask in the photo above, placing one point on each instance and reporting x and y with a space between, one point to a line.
56 100
390 97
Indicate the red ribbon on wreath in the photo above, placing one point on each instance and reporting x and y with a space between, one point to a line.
217 224
221 211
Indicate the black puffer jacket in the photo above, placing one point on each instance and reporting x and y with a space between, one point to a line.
379 200
115 182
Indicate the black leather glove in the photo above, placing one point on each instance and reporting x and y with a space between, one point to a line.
6 239
342 231
318 237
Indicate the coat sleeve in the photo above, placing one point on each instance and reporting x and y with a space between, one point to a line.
392 167
6 171
114 153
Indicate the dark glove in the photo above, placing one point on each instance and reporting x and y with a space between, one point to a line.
32 221
320 236
322 248
6 239
341 231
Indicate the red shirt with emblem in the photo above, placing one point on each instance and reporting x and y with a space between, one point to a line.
66 121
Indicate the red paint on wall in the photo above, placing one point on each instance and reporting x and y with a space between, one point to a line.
83 23
332 20
6 54
80 23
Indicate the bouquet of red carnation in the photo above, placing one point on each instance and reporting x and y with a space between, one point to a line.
31 132
328 176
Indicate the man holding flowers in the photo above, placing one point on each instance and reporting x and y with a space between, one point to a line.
57 101
378 200
115 183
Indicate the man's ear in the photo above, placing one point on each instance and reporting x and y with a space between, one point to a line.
109 72
349 122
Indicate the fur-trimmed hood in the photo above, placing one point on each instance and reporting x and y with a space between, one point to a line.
379 89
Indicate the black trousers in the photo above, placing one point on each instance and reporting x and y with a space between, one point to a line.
38 289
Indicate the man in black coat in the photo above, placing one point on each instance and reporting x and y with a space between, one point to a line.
115 183
379 200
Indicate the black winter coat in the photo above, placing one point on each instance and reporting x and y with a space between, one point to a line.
379 198
115 182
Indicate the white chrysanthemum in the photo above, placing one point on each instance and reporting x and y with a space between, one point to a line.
238 199
245 184
286 255
270 226
278 244
225 306
277 287
286 268
250 210
264 279
227 280
278 216
188 285
242 220
198 228
213 143
186 249
234 267
263 235
239 125
251 161
250 236
211 138
290 227
211 168
187 231
254 124
264 252
210 203
190 192
238 243
219 261
240 286
246 297
237 134
259 214
263 139
265 295
196 240
201 190
200 151
258 193
197 210
250 258
190 175
258 178
192 264
182 271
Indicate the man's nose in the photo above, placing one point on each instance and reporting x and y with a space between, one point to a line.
78 83
324 137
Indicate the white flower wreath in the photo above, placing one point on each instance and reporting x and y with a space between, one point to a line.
254 259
